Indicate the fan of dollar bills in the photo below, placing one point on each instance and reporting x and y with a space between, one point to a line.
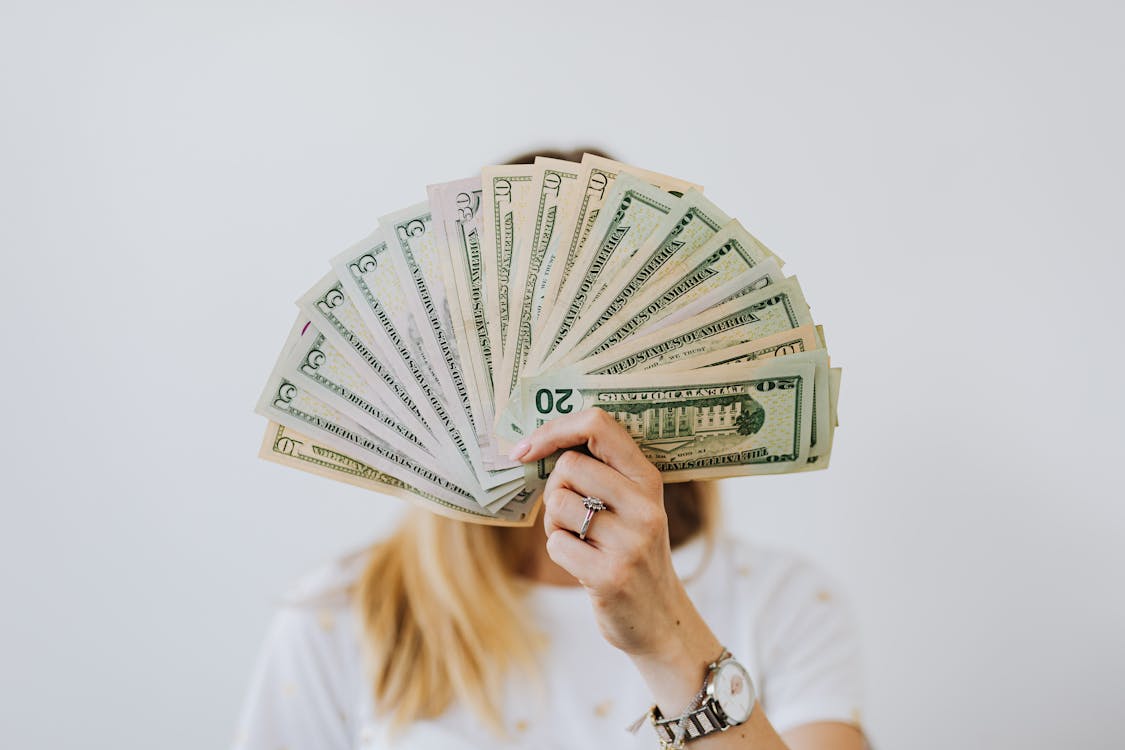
537 290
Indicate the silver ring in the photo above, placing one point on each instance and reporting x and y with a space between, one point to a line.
593 505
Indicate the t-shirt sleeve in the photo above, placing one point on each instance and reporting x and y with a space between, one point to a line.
811 657
301 694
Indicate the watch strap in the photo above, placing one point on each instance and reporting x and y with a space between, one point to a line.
698 723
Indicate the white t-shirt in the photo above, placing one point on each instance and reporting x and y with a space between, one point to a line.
780 617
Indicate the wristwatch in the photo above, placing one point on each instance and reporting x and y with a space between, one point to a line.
726 700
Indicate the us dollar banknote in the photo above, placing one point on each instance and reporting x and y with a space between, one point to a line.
329 305
723 421
795 341
419 262
634 209
506 193
456 208
805 344
293 405
777 307
720 263
310 359
693 223
596 176
746 283
531 291
288 447
552 182
702 287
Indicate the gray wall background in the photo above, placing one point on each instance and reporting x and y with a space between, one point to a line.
945 179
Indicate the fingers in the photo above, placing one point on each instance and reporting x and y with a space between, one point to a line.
581 560
606 439
563 509
587 476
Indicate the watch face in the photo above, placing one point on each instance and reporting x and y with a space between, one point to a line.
734 692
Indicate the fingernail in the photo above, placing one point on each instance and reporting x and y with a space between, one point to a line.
521 448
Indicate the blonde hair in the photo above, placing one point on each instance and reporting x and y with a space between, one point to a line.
442 610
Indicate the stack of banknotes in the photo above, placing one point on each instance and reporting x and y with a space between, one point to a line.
531 291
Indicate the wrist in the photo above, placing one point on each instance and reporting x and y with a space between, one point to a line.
674 673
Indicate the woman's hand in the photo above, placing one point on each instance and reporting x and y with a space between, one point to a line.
625 563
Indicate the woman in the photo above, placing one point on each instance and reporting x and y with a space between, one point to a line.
450 635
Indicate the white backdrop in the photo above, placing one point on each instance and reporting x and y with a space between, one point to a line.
945 178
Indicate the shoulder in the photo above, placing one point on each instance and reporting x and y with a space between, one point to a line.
328 584
308 669
755 576
790 602
315 625
777 576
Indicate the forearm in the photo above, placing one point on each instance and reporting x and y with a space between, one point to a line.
625 563
675 675
669 689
